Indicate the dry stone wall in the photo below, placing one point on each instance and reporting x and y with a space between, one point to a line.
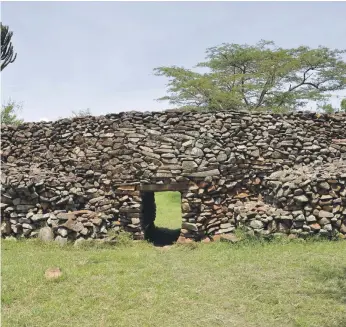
87 177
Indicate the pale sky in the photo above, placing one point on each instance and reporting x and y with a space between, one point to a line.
101 55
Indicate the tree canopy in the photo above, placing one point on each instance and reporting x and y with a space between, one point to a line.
255 77
8 114
7 54
343 105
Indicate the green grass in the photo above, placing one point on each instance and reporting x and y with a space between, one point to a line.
245 284
168 210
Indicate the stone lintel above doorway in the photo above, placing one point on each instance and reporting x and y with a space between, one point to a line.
163 187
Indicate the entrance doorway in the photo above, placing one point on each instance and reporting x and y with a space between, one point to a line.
161 216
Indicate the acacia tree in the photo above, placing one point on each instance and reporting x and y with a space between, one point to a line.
256 77
326 108
7 54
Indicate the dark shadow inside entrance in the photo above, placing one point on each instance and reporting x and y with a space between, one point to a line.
161 217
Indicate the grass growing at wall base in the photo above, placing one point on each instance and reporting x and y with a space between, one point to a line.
252 284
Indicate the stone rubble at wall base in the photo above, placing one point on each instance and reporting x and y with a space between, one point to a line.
86 177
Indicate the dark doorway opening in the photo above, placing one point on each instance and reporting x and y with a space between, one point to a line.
161 217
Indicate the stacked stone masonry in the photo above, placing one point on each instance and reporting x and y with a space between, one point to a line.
91 176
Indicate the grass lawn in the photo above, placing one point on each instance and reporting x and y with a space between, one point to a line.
216 284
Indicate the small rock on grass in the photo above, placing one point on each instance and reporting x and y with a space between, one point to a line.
45 234
53 273
229 238
226 238
61 240
206 240
79 242
184 240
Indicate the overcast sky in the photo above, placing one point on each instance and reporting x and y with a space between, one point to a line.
101 55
